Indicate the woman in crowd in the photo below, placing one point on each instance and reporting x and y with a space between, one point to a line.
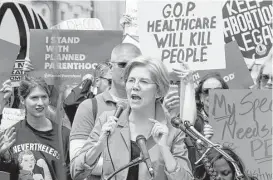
147 82
209 82
37 134
224 168
264 79
172 104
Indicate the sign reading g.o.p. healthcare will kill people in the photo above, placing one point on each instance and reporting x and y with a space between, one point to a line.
70 54
250 24
184 31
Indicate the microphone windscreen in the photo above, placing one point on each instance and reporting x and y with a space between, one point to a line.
140 137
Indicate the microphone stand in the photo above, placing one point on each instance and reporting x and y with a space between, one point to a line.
195 135
130 164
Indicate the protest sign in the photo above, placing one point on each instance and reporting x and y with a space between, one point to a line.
8 52
80 24
236 74
186 31
242 120
131 10
250 24
70 54
16 19
11 116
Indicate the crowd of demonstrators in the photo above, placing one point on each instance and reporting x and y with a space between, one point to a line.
100 143
31 148
146 82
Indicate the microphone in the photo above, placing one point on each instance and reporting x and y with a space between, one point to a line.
178 123
120 107
141 142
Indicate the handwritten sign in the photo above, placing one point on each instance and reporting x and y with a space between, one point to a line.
236 75
70 54
132 11
250 24
242 120
186 31
11 116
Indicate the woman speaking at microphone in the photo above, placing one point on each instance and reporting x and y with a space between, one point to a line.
147 82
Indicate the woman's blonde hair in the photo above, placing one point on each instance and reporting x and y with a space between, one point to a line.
158 71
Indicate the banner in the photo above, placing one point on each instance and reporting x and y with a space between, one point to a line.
186 31
132 11
236 75
250 24
242 120
70 54
8 52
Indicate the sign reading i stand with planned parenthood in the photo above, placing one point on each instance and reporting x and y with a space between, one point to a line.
70 54
186 31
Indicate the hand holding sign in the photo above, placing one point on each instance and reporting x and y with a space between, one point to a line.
28 66
126 19
184 73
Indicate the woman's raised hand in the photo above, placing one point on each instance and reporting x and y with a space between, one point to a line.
185 73
125 19
28 66
159 132
7 139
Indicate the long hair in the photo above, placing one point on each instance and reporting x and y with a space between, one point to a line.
198 90
214 155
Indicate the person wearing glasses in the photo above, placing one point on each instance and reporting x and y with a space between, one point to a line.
88 111
264 79
88 88
146 83
208 82
172 104
103 78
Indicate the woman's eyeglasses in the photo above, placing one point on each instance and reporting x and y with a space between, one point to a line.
120 64
141 82
206 91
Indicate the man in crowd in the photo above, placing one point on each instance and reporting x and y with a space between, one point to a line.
88 88
86 114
